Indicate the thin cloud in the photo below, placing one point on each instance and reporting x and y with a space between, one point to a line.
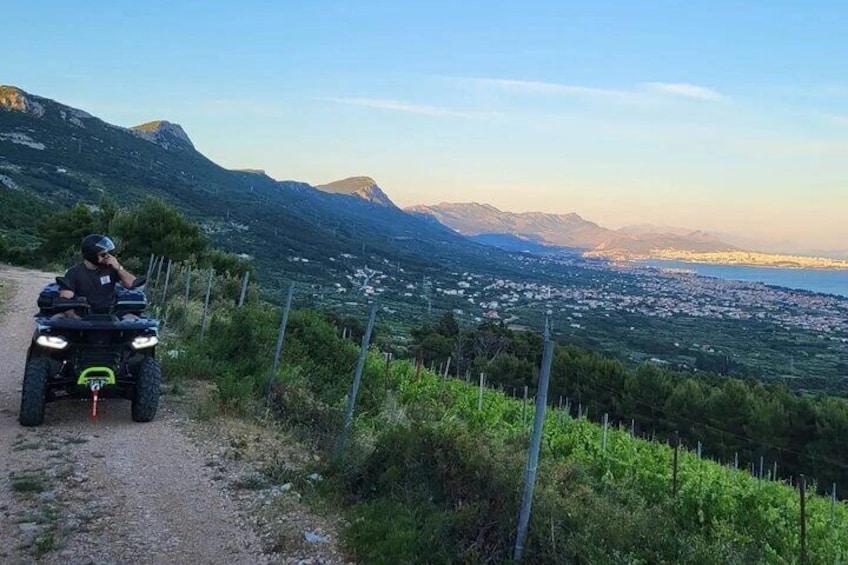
401 106
548 87
686 90
540 87
840 120
644 93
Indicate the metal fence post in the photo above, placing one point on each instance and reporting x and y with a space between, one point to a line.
282 334
535 445
187 288
167 278
206 305
243 288
360 364
803 489
150 268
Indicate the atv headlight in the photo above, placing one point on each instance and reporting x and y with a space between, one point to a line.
51 342
144 341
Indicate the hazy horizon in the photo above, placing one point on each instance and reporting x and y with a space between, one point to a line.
719 117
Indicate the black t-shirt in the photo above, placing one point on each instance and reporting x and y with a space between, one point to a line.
97 285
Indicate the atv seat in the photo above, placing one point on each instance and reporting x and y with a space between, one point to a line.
127 301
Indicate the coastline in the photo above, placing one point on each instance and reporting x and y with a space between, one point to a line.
821 281
728 259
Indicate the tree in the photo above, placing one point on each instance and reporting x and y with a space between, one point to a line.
447 325
160 229
510 372
65 229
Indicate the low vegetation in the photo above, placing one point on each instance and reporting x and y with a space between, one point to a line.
427 473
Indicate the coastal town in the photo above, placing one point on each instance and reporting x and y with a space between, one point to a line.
598 287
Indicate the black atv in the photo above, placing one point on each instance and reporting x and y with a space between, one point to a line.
109 354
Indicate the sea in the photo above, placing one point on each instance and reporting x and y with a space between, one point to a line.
815 280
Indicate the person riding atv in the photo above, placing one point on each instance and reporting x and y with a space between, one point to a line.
96 275
88 341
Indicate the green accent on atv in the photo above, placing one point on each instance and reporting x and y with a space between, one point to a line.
104 374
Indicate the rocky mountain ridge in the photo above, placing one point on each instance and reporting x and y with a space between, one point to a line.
163 133
362 187
565 230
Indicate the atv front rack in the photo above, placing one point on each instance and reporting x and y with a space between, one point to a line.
95 378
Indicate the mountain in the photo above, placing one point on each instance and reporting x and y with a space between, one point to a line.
642 229
164 133
566 230
361 187
53 155
509 242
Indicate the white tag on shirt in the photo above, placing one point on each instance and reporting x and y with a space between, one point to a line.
105 279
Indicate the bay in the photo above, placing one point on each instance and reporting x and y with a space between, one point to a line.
815 280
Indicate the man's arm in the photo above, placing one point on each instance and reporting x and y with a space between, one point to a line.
69 291
127 279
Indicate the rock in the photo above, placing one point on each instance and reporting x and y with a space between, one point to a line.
313 537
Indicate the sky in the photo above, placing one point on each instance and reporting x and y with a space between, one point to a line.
723 116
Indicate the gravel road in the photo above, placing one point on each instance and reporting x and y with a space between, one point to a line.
112 492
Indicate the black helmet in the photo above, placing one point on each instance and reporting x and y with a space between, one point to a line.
94 244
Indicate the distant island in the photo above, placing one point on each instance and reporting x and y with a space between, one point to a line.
737 257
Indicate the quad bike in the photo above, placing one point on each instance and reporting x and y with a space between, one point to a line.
94 355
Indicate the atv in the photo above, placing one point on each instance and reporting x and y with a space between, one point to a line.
108 354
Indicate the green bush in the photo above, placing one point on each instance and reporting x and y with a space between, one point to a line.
187 361
329 362
390 531
243 339
236 393
450 477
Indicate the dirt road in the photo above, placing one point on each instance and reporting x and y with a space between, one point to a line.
77 492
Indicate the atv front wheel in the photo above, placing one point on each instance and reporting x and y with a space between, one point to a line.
147 389
34 392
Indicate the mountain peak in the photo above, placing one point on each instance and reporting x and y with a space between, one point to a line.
349 185
362 187
13 99
164 133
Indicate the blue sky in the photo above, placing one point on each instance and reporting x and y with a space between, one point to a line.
725 116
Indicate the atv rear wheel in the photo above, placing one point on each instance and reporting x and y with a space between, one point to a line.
147 389
34 392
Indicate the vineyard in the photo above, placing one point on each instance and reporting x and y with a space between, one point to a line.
734 512
435 465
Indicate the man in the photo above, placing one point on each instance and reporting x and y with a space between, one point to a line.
95 277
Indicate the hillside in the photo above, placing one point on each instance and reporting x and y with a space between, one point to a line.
52 155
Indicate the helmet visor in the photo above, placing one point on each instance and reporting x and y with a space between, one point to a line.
105 244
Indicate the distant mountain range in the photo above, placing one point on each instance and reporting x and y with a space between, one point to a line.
568 230
53 155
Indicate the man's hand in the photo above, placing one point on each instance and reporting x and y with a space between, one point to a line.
111 261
